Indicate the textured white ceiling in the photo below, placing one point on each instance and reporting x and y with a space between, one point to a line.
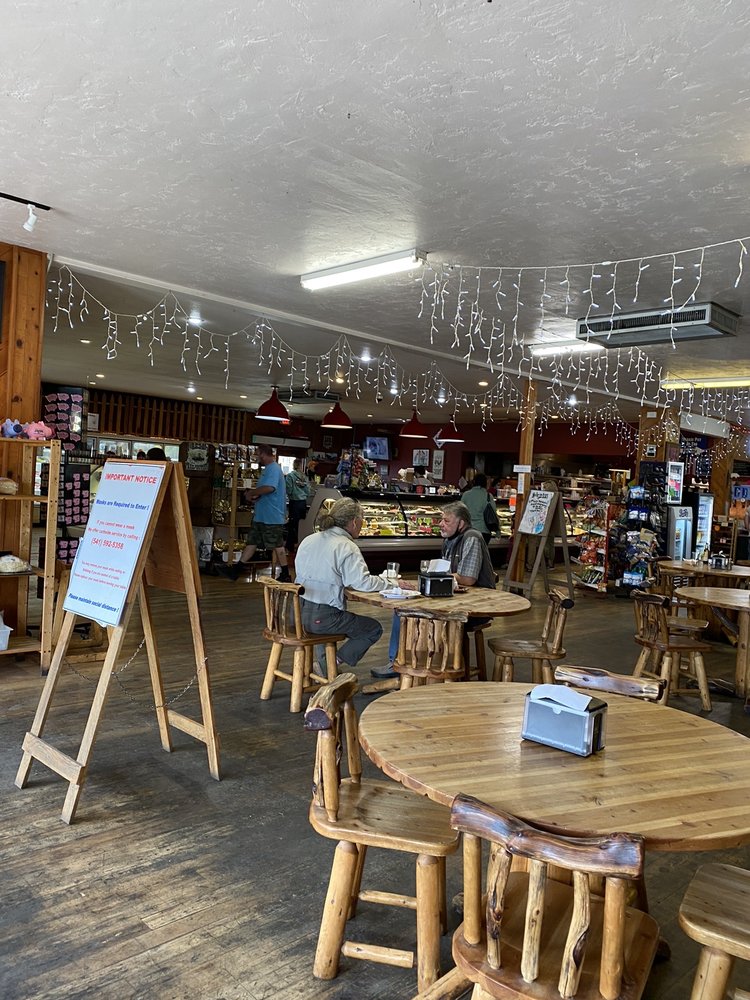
229 149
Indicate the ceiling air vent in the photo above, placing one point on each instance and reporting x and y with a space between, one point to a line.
637 329
311 396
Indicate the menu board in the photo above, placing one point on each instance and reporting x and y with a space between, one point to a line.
108 552
535 512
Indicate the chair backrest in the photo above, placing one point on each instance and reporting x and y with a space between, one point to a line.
331 714
557 613
617 858
430 641
651 611
283 609
594 679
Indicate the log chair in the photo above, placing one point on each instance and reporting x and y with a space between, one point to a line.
541 652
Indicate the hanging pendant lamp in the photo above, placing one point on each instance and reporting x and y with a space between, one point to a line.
450 435
272 409
336 420
414 429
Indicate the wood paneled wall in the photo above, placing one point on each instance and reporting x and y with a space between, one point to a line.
185 420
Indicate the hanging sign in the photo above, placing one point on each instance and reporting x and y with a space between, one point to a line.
108 552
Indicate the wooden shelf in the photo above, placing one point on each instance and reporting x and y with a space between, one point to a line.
28 497
25 644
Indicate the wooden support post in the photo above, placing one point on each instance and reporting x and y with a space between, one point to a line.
658 435
525 457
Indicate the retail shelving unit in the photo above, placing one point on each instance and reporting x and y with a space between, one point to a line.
22 461
592 563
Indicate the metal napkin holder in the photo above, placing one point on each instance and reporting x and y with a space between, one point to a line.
436 584
563 718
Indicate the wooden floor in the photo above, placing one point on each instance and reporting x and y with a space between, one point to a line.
172 885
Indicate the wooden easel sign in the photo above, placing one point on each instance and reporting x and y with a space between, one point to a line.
543 514
138 535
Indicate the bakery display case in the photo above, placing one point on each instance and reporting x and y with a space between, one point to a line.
405 526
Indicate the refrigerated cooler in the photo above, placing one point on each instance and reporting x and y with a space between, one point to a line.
679 532
702 505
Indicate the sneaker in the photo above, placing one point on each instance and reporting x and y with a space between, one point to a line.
383 673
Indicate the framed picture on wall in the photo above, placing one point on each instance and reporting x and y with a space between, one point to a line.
438 464
421 456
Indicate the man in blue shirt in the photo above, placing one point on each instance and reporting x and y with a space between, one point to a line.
267 530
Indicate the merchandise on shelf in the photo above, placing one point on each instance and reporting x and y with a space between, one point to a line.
634 544
595 518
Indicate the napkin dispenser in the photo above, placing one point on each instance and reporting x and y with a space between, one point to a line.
436 584
560 717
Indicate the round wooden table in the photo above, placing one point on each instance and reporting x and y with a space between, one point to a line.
682 567
680 781
476 601
729 599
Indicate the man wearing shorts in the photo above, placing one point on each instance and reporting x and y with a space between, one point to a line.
267 531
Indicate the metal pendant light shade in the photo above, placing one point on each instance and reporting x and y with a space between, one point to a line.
336 419
414 429
272 409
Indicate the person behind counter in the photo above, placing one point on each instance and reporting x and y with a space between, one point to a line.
297 492
476 499
269 518
470 564
328 561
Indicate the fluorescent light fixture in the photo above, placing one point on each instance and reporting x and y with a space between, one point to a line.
572 400
375 267
701 382
550 348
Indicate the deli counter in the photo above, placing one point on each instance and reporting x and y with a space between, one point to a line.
397 526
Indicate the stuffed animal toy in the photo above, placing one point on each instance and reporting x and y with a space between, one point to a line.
11 428
37 431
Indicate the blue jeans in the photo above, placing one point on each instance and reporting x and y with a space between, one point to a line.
395 633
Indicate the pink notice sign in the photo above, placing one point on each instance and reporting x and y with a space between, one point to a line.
109 550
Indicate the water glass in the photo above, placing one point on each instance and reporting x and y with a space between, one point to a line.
424 566
391 572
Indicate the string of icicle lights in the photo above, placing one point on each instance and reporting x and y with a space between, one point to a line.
491 340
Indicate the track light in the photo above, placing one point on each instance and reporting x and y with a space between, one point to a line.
375 267
31 221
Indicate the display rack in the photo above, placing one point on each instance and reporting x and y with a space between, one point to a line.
592 564
635 539
227 514
21 465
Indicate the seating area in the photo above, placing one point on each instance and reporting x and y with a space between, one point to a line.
230 903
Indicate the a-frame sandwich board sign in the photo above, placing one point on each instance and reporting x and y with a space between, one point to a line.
543 514
138 536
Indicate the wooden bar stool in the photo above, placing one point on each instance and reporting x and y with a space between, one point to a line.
666 583
430 647
715 912
665 654
361 813
533 936
541 652
284 631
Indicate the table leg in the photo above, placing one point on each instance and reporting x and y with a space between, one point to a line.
743 655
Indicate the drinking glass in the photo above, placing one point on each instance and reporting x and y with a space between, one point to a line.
424 566
391 572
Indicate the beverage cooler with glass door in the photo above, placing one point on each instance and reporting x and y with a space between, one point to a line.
702 505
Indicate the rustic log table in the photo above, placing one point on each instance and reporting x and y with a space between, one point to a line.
729 599
475 601
683 567
676 779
